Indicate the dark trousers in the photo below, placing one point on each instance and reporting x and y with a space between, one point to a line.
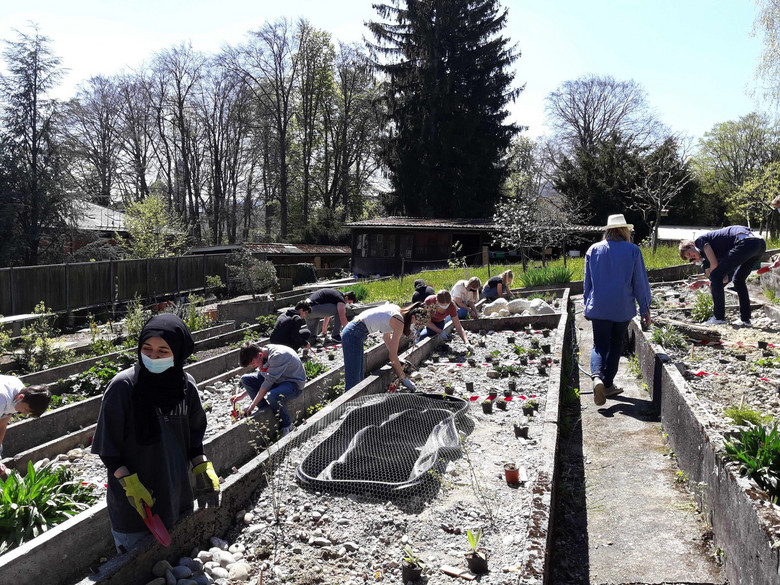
607 348
741 258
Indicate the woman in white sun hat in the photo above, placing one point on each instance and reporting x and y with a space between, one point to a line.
615 282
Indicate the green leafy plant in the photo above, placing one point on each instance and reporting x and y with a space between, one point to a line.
456 261
757 450
668 337
474 541
742 415
633 366
248 275
196 318
703 307
135 319
519 349
360 290
31 505
411 558
508 370
313 369
94 381
99 342
546 275
214 284
267 324
38 348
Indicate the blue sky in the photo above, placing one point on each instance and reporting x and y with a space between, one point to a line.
695 58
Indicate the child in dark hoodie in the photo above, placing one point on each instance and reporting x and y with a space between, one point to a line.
290 328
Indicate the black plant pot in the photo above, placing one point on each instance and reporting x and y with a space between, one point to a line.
477 563
469 387
487 406
546 348
523 360
410 572
449 390
511 386
510 339
528 410
501 404
762 345
521 430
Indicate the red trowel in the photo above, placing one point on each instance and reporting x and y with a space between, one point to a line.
156 527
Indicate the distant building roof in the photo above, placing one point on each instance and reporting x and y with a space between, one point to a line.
679 232
426 223
277 248
92 217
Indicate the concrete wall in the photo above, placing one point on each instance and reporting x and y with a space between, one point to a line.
743 521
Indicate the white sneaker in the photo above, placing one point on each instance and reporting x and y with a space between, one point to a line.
741 323
598 392
287 430
612 391
714 321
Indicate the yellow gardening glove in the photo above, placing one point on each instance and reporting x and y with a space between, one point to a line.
136 493
206 484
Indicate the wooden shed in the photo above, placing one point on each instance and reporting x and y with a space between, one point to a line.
396 245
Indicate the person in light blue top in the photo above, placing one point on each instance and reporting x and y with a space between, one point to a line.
615 282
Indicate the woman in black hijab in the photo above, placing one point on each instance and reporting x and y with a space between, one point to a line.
150 429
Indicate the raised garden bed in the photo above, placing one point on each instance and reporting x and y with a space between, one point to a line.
227 450
745 524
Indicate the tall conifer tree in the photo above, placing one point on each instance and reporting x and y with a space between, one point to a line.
447 85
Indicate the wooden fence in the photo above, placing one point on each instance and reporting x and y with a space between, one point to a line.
66 287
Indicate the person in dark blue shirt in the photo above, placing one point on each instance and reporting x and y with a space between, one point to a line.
615 281
730 253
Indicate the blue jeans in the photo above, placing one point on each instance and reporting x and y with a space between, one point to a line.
462 313
276 397
607 348
490 293
428 332
352 338
741 259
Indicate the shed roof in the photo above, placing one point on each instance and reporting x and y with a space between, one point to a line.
277 248
92 217
426 223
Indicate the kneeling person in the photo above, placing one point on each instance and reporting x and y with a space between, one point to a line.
279 377
290 328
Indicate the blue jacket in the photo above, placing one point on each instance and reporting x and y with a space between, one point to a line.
615 277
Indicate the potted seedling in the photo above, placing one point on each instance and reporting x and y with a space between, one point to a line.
477 558
501 404
545 333
472 362
492 394
511 473
535 343
521 430
546 348
481 343
453 359
331 356
412 567
435 359
541 367
487 406
511 387
448 389
510 339
523 360
469 387
528 408
762 345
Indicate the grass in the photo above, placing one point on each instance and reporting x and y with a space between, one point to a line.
399 290
742 415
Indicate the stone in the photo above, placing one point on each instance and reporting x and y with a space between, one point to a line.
218 542
202 579
220 573
239 571
193 565
169 578
225 558
321 541
157 581
205 556
248 517
182 572
351 546
160 567
187 582
236 548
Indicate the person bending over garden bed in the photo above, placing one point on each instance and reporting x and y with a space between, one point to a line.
15 398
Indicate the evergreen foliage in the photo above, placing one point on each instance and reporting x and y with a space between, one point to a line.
447 87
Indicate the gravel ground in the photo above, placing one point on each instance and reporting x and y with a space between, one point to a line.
295 535
735 373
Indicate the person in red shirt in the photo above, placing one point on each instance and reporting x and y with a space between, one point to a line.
440 307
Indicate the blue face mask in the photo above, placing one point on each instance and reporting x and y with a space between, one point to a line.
157 366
